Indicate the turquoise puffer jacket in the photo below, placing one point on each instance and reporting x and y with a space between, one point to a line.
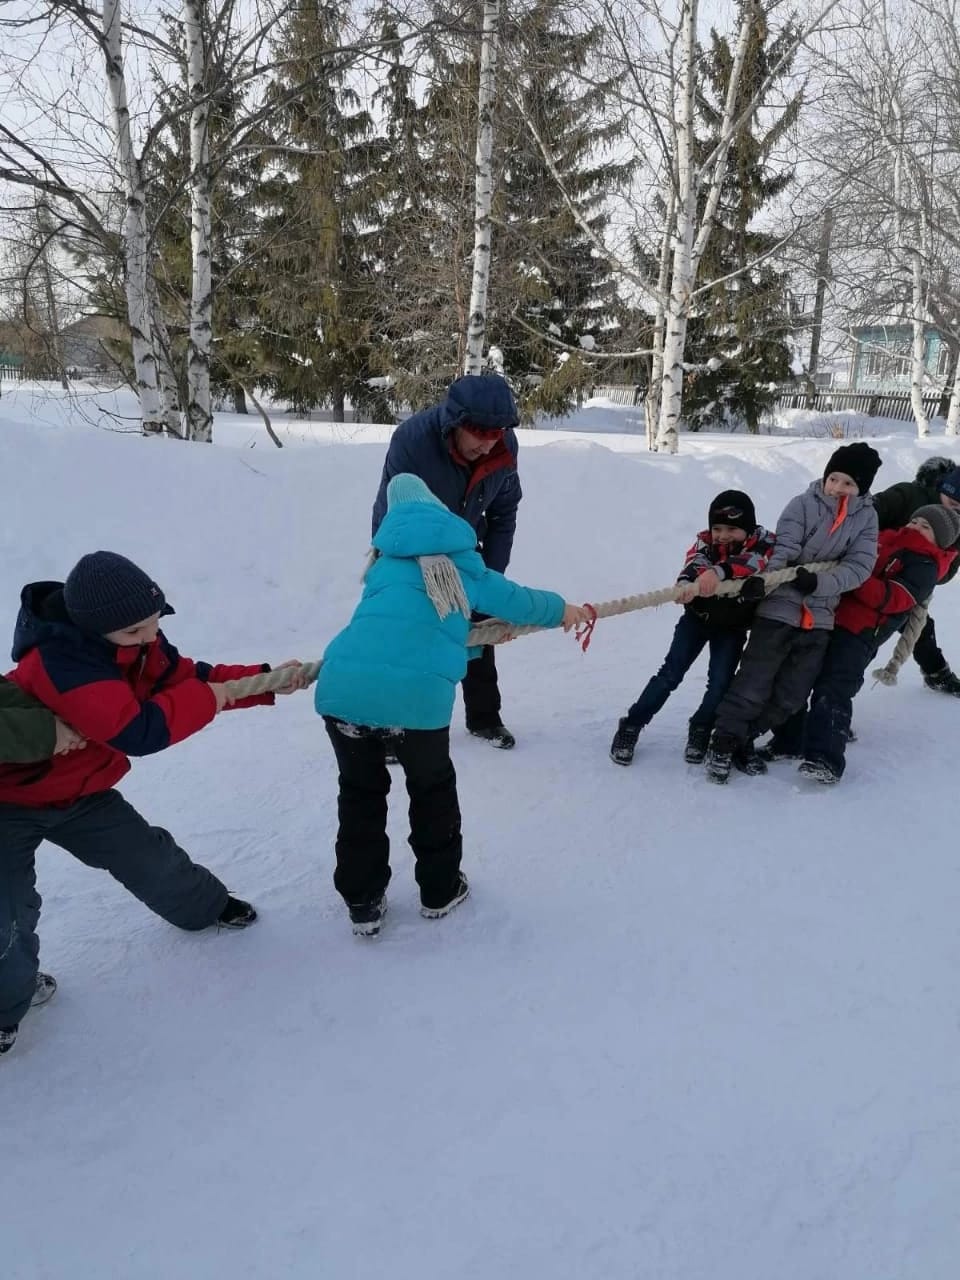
397 663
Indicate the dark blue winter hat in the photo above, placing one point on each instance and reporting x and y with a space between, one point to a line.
106 592
950 484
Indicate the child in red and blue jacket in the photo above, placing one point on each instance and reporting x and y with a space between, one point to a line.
91 650
910 563
733 546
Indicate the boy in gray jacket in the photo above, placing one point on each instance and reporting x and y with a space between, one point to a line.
834 519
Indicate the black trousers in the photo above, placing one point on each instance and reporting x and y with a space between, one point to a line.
481 692
103 831
777 672
927 653
827 727
363 848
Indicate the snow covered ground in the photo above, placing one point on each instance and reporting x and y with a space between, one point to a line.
677 1033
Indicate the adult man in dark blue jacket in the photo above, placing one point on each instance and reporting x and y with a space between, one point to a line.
465 450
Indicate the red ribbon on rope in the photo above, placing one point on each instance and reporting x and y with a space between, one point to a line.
584 633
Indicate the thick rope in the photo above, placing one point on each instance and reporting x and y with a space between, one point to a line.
909 636
494 632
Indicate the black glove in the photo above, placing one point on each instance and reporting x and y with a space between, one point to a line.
753 589
805 581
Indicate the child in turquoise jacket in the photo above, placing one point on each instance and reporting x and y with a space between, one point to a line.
389 679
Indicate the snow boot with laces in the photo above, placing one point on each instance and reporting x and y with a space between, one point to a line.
719 759
624 742
698 740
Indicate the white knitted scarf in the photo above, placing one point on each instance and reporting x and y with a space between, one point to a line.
443 583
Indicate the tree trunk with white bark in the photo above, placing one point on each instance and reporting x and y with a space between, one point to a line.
483 197
651 404
169 386
199 409
693 231
953 411
136 254
683 268
918 364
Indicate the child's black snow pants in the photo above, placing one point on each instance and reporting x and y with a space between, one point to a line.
362 848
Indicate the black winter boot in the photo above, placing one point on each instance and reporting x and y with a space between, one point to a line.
818 771
698 740
719 760
237 914
498 735
46 989
770 752
367 917
943 681
624 742
437 912
749 760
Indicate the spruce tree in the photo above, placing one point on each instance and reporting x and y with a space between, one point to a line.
547 282
319 190
424 217
551 281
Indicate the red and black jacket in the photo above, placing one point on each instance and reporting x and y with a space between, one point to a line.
727 561
908 568
126 701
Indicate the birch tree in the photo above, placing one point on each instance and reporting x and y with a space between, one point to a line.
136 243
698 190
483 195
655 51
199 411
889 142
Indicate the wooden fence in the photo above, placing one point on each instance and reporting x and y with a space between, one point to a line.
875 404
619 392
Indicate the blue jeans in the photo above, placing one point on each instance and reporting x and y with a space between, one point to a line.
690 637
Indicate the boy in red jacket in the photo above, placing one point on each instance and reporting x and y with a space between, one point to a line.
910 563
91 650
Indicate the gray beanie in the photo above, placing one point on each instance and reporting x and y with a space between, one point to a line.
944 522
105 592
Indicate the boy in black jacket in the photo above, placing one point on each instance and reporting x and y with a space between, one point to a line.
733 546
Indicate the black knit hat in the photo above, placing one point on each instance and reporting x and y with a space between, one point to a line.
858 461
733 507
105 592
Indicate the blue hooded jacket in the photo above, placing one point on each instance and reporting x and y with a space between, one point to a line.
397 663
486 495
